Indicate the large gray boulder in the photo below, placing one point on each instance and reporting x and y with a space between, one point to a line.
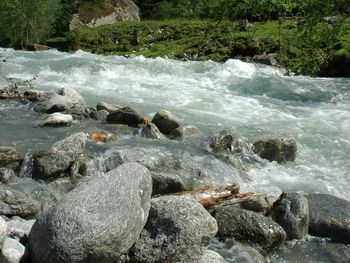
63 100
57 159
292 213
329 217
166 121
276 148
12 251
177 230
16 203
10 158
104 13
248 226
97 222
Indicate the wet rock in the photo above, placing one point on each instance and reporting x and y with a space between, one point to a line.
112 211
184 132
33 95
227 140
12 251
127 115
258 203
15 203
248 226
10 158
151 131
56 160
212 257
292 213
166 121
19 229
3 231
37 47
177 230
102 115
64 100
163 184
6 175
267 59
329 217
56 119
276 148
107 107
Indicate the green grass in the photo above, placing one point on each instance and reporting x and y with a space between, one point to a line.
198 40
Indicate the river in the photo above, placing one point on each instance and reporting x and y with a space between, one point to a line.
250 99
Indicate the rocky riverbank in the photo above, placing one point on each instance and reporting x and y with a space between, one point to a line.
81 199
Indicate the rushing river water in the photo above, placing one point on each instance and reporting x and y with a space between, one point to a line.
251 99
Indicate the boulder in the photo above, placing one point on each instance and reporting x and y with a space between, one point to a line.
276 148
16 203
329 217
112 211
3 231
6 175
166 121
248 226
127 115
177 230
210 256
10 158
292 213
19 229
56 119
163 184
104 12
151 131
56 160
107 107
63 100
12 251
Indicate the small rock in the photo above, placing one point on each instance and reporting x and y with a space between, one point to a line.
226 140
292 213
210 256
165 184
3 231
33 95
184 132
259 203
19 229
329 217
10 158
15 203
276 148
54 161
37 47
57 119
107 107
102 115
6 175
127 116
12 251
177 230
166 121
248 226
96 222
151 131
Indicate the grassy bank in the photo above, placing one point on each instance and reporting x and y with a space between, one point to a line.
216 40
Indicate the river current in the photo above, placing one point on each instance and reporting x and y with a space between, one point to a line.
251 99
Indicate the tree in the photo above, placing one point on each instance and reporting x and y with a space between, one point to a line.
26 21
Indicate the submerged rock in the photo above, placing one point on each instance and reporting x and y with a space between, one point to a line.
177 230
111 212
292 213
15 203
248 226
56 119
107 107
276 148
6 175
64 100
226 140
151 131
329 217
10 158
184 132
127 115
166 121
12 251
56 160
